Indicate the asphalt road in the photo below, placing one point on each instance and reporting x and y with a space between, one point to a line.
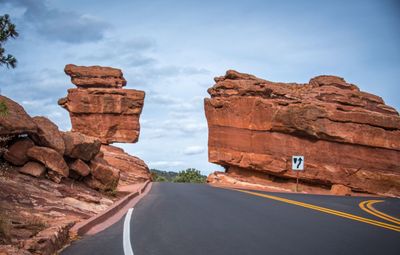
193 219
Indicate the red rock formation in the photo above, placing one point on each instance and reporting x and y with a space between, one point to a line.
109 113
48 134
347 136
100 108
132 169
80 146
50 158
16 153
15 121
95 76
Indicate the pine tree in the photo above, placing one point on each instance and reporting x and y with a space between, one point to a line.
7 30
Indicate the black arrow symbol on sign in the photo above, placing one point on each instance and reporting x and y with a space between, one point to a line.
300 160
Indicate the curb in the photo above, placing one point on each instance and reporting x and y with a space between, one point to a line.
83 227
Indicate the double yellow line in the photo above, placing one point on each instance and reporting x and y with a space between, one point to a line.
368 207
326 210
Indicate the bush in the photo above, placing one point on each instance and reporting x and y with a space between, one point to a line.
190 175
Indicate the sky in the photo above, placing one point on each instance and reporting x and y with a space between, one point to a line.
173 49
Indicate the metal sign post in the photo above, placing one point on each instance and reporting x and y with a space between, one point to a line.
297 165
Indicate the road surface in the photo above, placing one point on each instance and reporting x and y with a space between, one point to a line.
191 219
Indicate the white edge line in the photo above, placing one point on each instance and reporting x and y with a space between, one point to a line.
127 233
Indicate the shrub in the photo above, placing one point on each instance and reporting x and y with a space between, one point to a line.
3 108
190 175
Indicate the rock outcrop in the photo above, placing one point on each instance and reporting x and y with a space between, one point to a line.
132 169
348 137
99 107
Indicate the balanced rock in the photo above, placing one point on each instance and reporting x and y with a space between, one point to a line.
15 120
110 114
33 168
95 76
132 169
48 134
50 158
17 152
347 136
80 146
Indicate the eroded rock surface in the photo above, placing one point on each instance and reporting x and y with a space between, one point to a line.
347 136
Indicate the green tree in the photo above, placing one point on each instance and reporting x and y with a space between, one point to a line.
7 30
190 175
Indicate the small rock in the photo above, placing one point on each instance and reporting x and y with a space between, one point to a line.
340 190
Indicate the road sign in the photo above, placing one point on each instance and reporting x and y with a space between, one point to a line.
298 163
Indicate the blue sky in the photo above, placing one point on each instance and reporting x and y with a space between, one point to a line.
173 49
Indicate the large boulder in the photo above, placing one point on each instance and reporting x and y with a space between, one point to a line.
95 76
17 152
347 136
50 158
80 146
79 166
104 173
33 168
15 120
132 169
48 134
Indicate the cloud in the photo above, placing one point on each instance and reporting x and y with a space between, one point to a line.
60 25
162 128
165 164
193 150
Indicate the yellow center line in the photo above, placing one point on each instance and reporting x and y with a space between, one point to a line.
326 210
368 207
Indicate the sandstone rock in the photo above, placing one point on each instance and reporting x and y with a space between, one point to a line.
112 115
341 190
80 146
33 168
50 158
50 240
95 76
48 134
95 184
17 152
347 136
16 120
132 169
12 250
79 167
106 174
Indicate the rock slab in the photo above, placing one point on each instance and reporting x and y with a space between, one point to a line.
348 137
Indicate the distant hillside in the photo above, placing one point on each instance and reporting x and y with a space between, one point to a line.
160 175
190 175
